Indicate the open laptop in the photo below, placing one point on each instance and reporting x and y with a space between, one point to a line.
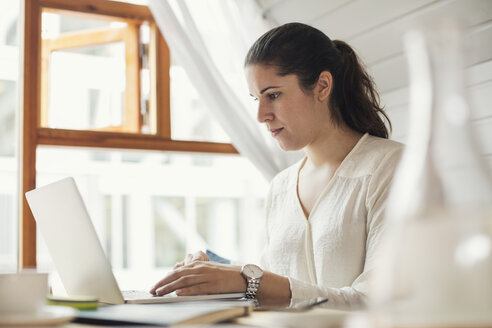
71 238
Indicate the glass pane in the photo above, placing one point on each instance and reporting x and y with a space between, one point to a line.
217 223
87 87
53 25
9 63
190 117
8 174
149 209
170 230
85 74
8 102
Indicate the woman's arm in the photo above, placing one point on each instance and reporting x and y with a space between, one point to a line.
213 278
201 277
274 290
344 298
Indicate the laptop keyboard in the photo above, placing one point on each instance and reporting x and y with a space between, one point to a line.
140 294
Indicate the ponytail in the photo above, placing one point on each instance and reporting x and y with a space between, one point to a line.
300 49
356 100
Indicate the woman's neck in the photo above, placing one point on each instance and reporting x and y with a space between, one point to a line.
332 147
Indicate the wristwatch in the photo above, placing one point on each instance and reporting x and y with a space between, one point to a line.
252 274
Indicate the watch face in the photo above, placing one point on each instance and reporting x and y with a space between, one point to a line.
253 271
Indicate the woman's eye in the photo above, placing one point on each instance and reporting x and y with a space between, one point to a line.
274 95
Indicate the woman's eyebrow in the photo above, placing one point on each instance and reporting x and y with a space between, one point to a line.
267 88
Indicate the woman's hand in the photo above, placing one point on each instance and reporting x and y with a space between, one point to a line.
201 277
189 258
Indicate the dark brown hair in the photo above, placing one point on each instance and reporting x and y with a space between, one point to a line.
300 49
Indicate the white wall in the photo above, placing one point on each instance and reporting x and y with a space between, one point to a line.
375 29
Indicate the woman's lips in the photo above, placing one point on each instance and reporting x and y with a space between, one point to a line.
275 132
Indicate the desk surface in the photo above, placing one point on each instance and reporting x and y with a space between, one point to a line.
313 318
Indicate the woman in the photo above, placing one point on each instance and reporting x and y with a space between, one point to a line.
324 213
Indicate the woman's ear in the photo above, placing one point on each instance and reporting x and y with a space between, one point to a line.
324 85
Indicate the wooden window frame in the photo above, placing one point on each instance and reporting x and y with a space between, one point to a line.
129 35
33 115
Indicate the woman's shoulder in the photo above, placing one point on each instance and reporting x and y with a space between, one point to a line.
381 145
373 153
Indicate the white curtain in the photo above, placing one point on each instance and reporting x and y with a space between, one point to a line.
224 101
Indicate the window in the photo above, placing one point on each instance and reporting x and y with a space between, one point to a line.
102 103
8 160
150 208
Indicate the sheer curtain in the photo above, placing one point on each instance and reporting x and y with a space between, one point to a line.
224 92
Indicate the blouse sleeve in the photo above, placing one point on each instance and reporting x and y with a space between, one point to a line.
355 296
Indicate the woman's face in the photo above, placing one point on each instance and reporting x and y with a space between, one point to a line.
294 118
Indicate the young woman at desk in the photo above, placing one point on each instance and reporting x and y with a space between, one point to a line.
325 213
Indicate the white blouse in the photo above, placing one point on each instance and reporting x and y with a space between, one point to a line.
331 253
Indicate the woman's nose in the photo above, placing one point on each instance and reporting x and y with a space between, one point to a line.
264 113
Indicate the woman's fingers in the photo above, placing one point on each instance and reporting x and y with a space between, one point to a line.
215 278
197 256
200 289
164 281
184 270
181 283
188 258
179 264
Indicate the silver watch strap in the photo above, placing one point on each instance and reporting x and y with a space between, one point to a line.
252 288
251 291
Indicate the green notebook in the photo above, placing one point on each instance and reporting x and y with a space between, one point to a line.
166 314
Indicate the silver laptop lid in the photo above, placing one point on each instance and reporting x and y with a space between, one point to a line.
72 242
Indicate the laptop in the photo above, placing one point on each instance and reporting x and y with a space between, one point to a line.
72 242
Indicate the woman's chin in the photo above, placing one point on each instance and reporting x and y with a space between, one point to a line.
287 147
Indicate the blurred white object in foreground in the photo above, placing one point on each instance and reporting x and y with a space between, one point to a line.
436 262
